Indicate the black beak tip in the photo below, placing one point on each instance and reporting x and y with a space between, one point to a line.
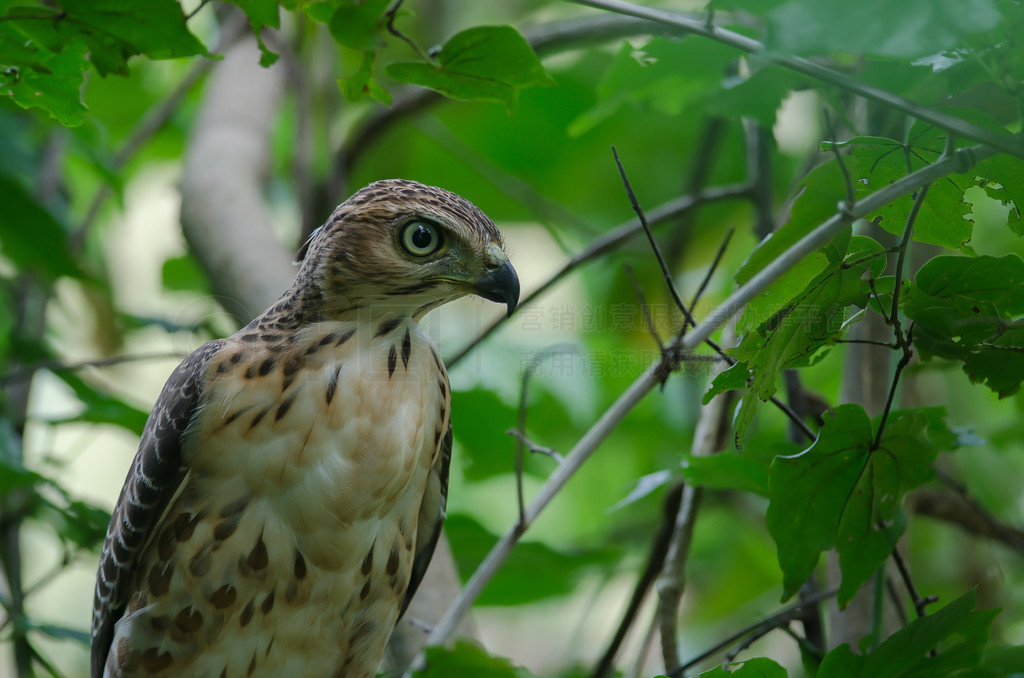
501 286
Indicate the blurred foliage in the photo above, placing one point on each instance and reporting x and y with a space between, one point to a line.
535 92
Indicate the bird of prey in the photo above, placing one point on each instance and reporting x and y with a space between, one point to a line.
291 480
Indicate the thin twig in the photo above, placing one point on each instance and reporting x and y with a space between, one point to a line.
1000 142
902 340
919 603
654 243
534 447
391 15
191 14
773 621
521 440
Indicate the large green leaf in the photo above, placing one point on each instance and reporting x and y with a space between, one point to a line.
881 161
963 307
486 63
36 78
844 493
941 644
112 30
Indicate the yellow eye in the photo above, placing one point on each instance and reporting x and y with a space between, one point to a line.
421 238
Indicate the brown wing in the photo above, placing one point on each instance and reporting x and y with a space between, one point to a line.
431 517
152 481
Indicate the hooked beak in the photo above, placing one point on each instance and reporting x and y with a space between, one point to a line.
500 285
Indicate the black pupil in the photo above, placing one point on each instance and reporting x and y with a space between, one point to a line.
422 238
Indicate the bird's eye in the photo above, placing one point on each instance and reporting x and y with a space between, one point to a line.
421 238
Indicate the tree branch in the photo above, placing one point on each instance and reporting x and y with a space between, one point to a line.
1007 143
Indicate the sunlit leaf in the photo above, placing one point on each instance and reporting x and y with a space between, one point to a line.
486 63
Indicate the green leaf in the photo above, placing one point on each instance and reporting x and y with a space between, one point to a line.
727 471
758 96
957 632
486 63
961 306
468 659
732 379
905 29
816 202
102 408
964 281
261 14
480 429
806 324
29 235
645 485
357 24
51 82
532 572
881 161
182 274
761 667
842 493
64 633
112 30
668 76
362 84
999 362
1003 179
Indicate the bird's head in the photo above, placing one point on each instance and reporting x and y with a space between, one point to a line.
402 247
